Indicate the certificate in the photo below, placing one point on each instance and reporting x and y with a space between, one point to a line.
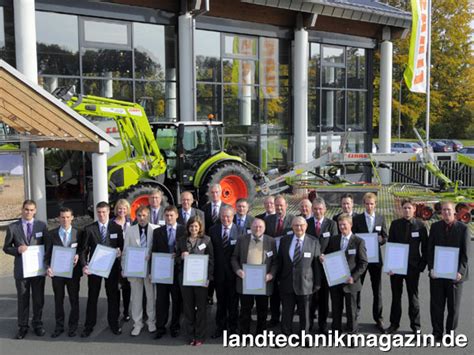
396 258
336 268
372 246
62 261
195 270
162 268
446 262
135 262
102 261
33 261
254 279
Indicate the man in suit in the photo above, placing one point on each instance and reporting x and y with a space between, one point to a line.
102 232
346 293
156 210
371 222
408 230
140 235
299 274
242 219
164 241
254 249
187 210
305 209
347 205
269 205
277 225
322 228
443 292
20 235
224 237
65 236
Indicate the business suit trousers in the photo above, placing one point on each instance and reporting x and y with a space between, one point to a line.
288 302
246 305
23 288
111 289
444 293
338 298
375 271
126 291
136 286
60 284
163 294
195 311
320 301
411 281
227 312
275 303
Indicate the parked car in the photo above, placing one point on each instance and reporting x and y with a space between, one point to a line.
406 147
440 147
469 151
454 143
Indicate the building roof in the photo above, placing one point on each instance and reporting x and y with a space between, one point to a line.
40 117
359 10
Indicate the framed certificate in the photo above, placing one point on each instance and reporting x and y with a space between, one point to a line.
446 262
33 261
62 261
336 268
102 261
195 270
372 246
254 280
135 262
162 268
396 258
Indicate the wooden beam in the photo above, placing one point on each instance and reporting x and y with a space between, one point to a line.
69 145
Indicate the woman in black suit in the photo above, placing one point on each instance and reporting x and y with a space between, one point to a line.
195 297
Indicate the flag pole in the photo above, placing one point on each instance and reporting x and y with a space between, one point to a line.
428 75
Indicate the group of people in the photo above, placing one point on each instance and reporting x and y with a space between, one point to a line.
292 248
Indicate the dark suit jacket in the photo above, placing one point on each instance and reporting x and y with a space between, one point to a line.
16 237
223 269
303 278
181 247
357 262
262 215
207 209
92 238
239 257
359 225
55 239
248 222
194 212
271 224
414 234
160 242
458 237
328 229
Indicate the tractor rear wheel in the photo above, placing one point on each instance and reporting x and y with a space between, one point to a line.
138 196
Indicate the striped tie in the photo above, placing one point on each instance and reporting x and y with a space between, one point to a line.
225 238
143 238
103 233
297 253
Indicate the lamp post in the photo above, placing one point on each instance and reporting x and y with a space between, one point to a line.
400 108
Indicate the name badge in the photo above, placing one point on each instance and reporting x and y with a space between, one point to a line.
74 245
233 241
307 255
415 234
269 254
249 231
289 232
326 235
39 235
113 236
202 246
352 252
378 228
161 222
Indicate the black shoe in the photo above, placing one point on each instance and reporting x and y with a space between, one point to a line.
217 334
323 330
392 329
57 333
273 323
125 318
380 326
72 333
86 332
159 335
416 330
174 333
21 333
210 301
40 331
117 331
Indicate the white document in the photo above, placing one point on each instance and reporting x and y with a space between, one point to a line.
396 258
336 268
162 268
102 261
254 280
372 246
195 270
33 261
62 261
135 262
446 262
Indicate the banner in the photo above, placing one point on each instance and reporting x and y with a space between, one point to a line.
416 72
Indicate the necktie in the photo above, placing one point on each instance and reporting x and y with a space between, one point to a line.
279 229
155 216
29 231
185 217
64 237
297 253
214 213
103 233
225 238
344 242
143 238
317 228
171 239
371 224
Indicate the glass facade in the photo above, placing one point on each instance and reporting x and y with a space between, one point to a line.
244 82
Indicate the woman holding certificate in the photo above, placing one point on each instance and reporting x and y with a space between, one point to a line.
196 270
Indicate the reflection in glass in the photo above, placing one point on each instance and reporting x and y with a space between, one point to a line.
2 31
356 68
356 110
333 77
106 32
333 54
355 143
332 116
238 71
275 112
314 65
208 101
151 95
239 106
278 152
241 46
118 89
51 83
107 62
208 56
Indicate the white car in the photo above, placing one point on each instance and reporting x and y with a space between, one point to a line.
406 147
469 151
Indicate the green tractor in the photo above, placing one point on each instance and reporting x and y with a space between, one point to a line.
171 156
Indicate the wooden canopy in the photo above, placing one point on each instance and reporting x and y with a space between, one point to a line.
40 117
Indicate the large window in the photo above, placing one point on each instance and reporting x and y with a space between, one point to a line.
243 81
122 60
